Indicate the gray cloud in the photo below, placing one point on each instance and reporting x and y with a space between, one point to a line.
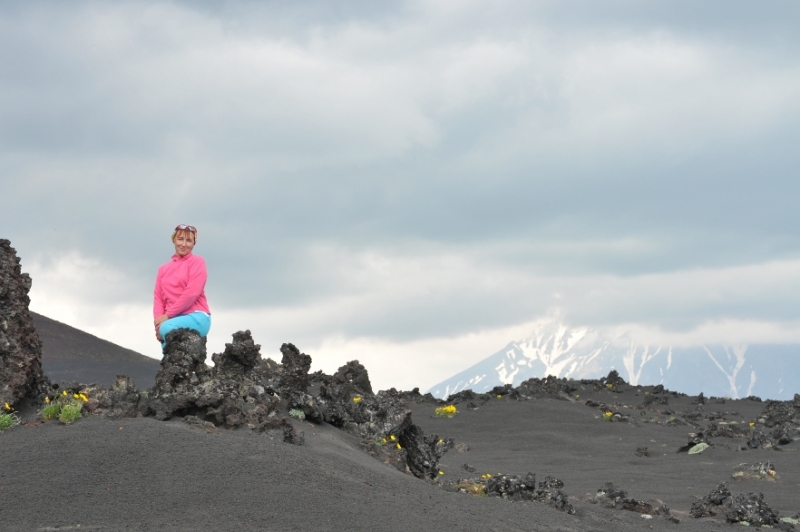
428 168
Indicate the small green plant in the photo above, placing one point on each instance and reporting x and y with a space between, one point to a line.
70 413
445 411
297 413
51 411
65 407
8 420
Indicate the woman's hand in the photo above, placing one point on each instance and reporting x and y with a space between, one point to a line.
159 320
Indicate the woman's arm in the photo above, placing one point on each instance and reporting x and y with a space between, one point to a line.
159 305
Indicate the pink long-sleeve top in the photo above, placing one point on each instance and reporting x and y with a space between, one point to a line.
180 287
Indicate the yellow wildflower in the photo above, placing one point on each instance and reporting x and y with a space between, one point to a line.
398 446
7 406
441 472
356 399
499 396
383 440
64 393
83 397
445 411
392 437
752 424
47 400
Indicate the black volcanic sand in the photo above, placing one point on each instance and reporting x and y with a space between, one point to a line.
144 474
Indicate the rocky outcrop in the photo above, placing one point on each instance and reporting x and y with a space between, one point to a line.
611 496
244 390
777 425
749 509
352 377
294 372
183 363
516 488
282 428
293 381
232 393
20 349
353 409
422 453
121 400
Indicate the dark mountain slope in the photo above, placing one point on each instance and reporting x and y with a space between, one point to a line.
69 354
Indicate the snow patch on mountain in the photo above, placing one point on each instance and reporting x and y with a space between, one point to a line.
769 371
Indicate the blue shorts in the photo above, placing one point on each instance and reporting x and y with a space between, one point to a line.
198 321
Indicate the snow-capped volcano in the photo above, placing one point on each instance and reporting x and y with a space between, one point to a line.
766 370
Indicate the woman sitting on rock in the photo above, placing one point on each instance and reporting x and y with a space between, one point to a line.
179 299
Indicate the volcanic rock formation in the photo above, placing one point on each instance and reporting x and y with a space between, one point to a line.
235 392
244 390
20 349
749 508
515 488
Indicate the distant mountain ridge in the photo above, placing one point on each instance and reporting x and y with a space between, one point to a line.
765 370
69 354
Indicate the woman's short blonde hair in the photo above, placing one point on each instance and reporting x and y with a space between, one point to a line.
184 233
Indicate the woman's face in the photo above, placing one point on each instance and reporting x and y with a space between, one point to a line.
184 242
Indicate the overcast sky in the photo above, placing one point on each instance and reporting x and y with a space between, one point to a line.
412 184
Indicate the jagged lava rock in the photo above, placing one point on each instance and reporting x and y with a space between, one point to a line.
294 376
775 425
183 361
293 381
517 488
123 399
712 503
423 453
751 509
355 375
364 415
611 496
233 393
284 428
20 349
239 357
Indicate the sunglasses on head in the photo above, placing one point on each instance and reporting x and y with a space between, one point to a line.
184 227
